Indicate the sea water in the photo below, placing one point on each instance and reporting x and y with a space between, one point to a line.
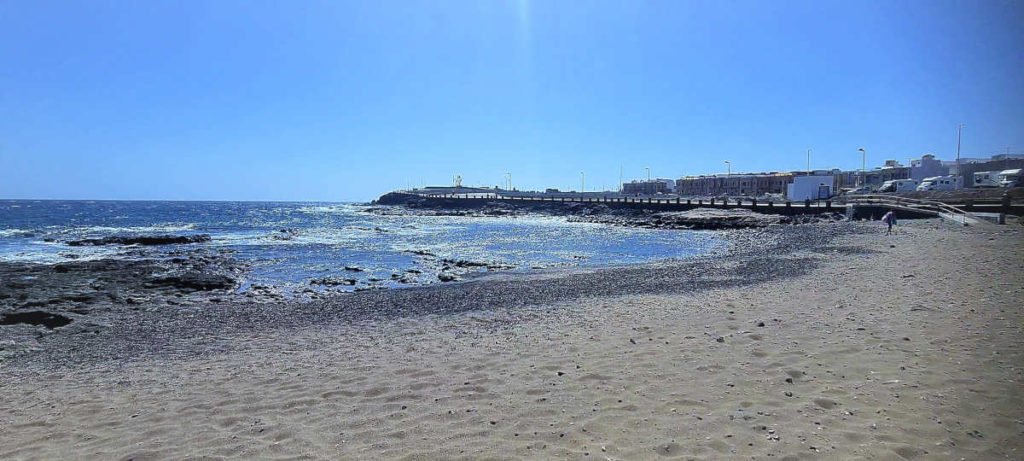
290 244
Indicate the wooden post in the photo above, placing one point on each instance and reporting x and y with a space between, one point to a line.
1006 208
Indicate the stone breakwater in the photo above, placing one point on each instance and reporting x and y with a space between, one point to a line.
634 216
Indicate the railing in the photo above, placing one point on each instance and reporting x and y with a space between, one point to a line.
818 206
928 206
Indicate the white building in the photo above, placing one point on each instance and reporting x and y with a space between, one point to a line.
809 187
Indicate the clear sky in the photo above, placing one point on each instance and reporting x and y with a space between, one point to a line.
340 101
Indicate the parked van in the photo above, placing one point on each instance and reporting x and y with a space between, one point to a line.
1011 178
898 185
986 179
949 182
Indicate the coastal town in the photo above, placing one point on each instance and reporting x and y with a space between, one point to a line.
926 174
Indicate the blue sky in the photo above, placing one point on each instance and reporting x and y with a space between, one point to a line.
343 101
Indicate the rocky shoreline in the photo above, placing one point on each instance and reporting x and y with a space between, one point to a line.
86 311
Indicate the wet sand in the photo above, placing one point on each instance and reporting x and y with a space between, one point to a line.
902 347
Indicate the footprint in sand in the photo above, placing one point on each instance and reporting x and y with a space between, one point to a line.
827 404
668 449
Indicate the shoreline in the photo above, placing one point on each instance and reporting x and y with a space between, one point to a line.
125 331
860 346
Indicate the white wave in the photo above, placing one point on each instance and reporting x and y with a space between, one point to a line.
130 229
4 233
322 236
50 254
346 208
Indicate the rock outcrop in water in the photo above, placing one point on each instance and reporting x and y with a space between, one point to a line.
142 240
705 219
85 296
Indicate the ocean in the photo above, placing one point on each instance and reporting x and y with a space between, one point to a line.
289 244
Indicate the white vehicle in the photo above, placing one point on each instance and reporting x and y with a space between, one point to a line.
898 185
1011 178
858 190
940 183
986 179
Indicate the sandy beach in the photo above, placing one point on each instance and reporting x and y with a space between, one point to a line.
887 347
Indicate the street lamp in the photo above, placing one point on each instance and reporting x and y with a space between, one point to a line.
863 164
583 184
509 180
808 161
728 173
648 173
959 128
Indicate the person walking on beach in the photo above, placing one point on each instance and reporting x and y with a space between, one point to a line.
890 220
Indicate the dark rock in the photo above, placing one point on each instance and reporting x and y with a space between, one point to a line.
285 234
194 281
142 240
461 263
446 277
46 319
330 282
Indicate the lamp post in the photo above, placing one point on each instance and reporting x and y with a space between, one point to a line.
583 184
728 173
863 164
648 173
509 175
959 128
808 161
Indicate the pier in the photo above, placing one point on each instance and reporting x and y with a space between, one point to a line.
855 207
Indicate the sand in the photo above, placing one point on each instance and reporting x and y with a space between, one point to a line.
901 347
